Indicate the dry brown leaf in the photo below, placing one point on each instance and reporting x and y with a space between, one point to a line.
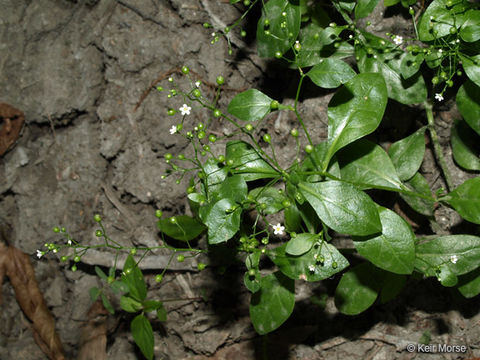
94 334
16 265
12 120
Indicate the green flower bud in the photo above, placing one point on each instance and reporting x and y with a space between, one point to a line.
179 127
267 138
206 147
64 258
74 268
249 127
159 88
158 278
197 93
171 112
243 33
158 213
206 25
286 203
266 22
265 241
308 149
97 218
278 54
133 251
173 220
229 162
220 80
98 233
411 11
217 113
181 157
294 132
190 190
56 229
453 30
221 158
201 134
227 29
168 156
201 266
212 138
185 70
252 273
435 80
180 258
76 259
274 105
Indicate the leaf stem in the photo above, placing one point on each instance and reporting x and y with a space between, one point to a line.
437 149
302 75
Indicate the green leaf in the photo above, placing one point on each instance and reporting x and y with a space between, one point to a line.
234 187
273 304
94 292
471 65
269 196
283 30
162 313
234 1
468 102
331 73
143 335
309 266
247 162
465 146
223 221
470 30
185 227
313 38
315 160
407 154
253 283
342 207
469 284
364 8
410 63
252 260
393 284
106 304
133 277
355 111
346 5
250 105
466 200
100 273
358 289
367 165
300 244
394 249
151 305
443 19
419 185
130 305
293 219
387 3
389 65
119 287
212 177
438 253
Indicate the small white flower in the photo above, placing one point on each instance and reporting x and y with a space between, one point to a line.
284 13
454 259
439 97
315 256
398 40
440 51
170 79
311 268
173 129
185 109
197 83
69 242
213 34
39 254
278 229
55 251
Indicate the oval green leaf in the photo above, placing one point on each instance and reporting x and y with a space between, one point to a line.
468 102
471 67
466 200
143 335
132 276
269 196
470 30
300 244
250 105
273 304
367 165
419 185
331 73
358 289
281 31
364 8
342 207
465 146
355 111
407 154
394 249
222 222
185 228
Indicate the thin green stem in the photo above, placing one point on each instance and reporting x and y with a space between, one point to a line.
436 146
302 75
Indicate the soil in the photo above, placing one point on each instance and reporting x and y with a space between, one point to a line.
77 70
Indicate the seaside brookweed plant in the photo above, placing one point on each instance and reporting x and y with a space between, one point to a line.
323 189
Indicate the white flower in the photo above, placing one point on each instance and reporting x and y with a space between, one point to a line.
170 79
278 229
185 109
439 97
311 268
173 129
454 259
213 34
398 40
39 254
197 83
315 256
69 242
